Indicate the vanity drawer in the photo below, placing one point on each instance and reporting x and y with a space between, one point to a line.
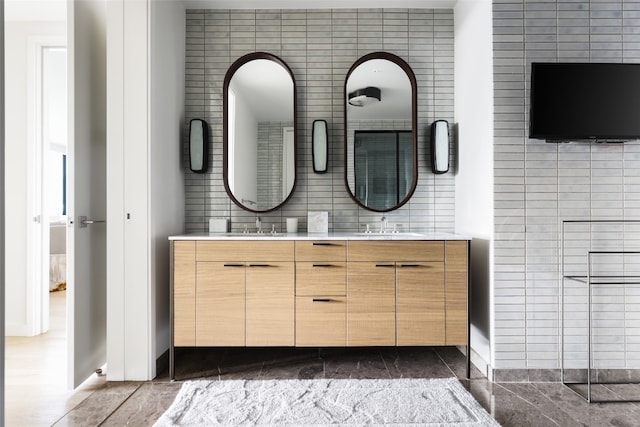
384 250
321 250
321 278
238 251
321 321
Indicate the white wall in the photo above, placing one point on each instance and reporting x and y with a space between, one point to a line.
18 219
474 179
167 178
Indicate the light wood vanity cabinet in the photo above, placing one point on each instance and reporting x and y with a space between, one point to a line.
371 304
319 293
420 305
321 321
184 293
220 304
409 293
233 293
270 304
321 278
456 292
396 293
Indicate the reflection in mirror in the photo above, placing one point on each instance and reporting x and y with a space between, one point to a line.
319 149
381 168
259 132
198 146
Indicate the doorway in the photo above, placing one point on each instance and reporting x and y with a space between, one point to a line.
36 144
45 138
50 190
53 143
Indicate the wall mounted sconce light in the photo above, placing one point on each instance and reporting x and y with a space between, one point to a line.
198 146
363 97
319 146
440 146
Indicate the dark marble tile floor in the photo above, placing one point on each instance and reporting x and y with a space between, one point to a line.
532 404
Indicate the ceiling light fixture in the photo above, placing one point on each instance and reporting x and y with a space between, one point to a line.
364 97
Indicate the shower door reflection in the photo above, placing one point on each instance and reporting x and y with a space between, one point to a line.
383 167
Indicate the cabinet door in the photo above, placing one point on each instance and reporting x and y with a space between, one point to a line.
321 321
220 312
270 304
456 292
371 304
420 305
184 293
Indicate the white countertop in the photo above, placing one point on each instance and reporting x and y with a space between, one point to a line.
320 236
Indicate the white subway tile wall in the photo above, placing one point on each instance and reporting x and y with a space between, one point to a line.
538 185
320 46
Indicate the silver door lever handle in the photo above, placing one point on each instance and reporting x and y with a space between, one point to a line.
84 221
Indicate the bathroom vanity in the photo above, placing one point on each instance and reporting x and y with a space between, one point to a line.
327 290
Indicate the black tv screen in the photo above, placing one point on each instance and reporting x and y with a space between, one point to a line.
579 101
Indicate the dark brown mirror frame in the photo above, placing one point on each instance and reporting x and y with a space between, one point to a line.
225 94
414 123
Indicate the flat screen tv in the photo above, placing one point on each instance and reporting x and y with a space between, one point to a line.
585 102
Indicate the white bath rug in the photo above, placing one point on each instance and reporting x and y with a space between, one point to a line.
401 402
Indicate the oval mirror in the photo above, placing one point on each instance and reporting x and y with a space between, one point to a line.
381 170
259 132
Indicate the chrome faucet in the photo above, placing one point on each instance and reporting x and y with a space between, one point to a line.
258 225
383 224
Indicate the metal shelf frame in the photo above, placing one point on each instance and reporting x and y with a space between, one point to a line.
593 281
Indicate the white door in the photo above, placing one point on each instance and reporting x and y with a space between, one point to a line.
86 188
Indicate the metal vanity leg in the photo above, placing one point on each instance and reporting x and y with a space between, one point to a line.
172 374
171 319
468 309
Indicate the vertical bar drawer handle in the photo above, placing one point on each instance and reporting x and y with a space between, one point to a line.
322 300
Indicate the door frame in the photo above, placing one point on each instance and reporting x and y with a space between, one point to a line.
2 207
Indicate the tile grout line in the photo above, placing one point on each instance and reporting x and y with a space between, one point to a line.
120 405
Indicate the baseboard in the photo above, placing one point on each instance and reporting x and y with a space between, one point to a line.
525 375
18 330
603 376
483 366
570 375
480 352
